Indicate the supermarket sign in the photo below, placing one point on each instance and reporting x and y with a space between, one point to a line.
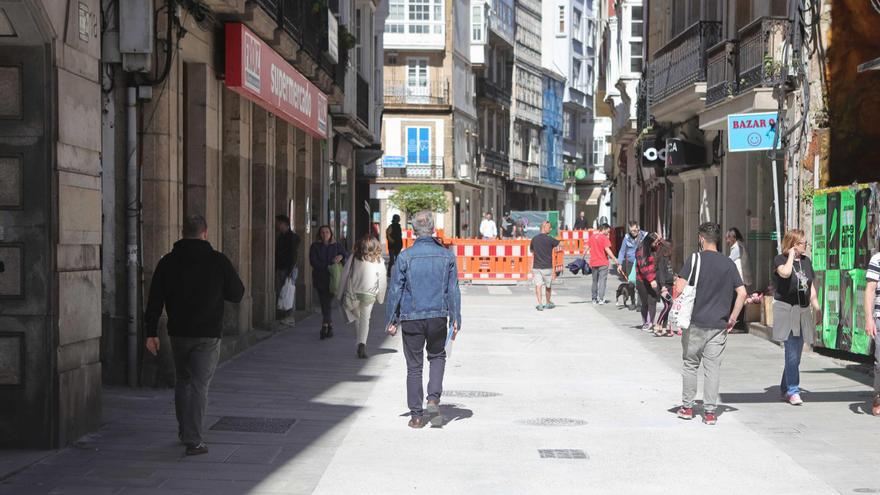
751 131
257 72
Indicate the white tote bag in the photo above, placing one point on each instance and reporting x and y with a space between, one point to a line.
683 306
286 296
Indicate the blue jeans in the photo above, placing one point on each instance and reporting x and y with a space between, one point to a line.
791 377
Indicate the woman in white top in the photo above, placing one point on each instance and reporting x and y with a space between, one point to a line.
363 284
739 256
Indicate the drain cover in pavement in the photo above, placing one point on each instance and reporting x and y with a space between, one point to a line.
562 454
470 394
513 328
253 425
552 422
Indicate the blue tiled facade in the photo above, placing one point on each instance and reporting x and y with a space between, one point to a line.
554 170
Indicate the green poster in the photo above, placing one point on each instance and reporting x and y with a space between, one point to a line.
848 303
832 236
863 205
819 253
831 308
847 229
861 342
819 284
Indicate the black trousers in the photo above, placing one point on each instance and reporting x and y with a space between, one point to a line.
326 299
419 335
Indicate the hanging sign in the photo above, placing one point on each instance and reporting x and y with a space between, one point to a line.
260 74
751 131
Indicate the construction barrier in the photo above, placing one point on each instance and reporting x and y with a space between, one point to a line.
497 259
574 241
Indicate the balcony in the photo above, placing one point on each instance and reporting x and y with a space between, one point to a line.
488 89
526 171
501 20
430 93
677 76
363 100
432 170
721 72
759 57
494 162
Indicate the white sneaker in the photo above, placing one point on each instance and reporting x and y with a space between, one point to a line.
795 400
602 301
289 321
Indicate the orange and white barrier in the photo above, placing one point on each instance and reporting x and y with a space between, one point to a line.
497 259
574 241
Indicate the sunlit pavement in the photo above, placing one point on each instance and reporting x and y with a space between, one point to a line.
569 400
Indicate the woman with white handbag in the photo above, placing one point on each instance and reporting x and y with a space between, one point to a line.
363 284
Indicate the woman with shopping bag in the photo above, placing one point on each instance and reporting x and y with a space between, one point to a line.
363 284
326 257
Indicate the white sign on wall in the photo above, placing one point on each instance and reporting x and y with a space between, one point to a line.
333 38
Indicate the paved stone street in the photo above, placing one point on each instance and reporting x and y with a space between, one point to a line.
571 400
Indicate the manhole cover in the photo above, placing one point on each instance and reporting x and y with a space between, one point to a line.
253 425
470 394
552 422
562 454
513 328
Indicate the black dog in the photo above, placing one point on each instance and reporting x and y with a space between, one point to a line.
628 292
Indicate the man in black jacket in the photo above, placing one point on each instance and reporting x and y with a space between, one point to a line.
191 283
286 253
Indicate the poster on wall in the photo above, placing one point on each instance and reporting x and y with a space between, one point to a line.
862 232
832 234
831 309
847 229
820 231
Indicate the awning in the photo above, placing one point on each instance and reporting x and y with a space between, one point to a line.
593 200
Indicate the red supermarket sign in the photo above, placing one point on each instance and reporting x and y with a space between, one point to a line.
260 74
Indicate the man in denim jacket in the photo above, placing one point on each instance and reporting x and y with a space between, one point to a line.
424 301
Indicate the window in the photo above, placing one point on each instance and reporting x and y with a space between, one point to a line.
636 22
418 145
599 151
576 73
635 45
576 24
359 47
561 19
417 72
477 23
396 9
568 125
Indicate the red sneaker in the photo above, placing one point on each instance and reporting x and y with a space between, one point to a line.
709 418
686 413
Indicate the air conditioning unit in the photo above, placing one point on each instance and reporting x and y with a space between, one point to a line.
464 171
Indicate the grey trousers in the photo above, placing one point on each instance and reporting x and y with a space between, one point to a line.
195 360
702 345
600 278
419 335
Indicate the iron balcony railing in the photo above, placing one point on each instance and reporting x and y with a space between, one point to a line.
759 57
424 93
495 162
682 62
306 22
486 88
721 72
363 99
433 169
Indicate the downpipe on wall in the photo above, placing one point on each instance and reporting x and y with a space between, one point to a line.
132 216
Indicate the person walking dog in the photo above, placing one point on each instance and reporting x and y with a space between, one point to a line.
363 284
191 283
424 301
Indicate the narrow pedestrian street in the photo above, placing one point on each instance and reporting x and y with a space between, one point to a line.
570 400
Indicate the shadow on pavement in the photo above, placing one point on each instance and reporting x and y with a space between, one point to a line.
771 394
698 407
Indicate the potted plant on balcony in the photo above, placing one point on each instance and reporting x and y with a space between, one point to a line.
347 41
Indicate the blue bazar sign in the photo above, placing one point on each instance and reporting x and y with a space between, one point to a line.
390 161
751 131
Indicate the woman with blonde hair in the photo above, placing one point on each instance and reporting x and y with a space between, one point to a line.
363 284
793 306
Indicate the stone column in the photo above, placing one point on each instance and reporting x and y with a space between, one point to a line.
262 217
236 190
301 219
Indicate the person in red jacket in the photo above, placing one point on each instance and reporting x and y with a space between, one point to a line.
646 280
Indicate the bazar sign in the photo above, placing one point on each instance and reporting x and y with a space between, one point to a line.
751 132
260 74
